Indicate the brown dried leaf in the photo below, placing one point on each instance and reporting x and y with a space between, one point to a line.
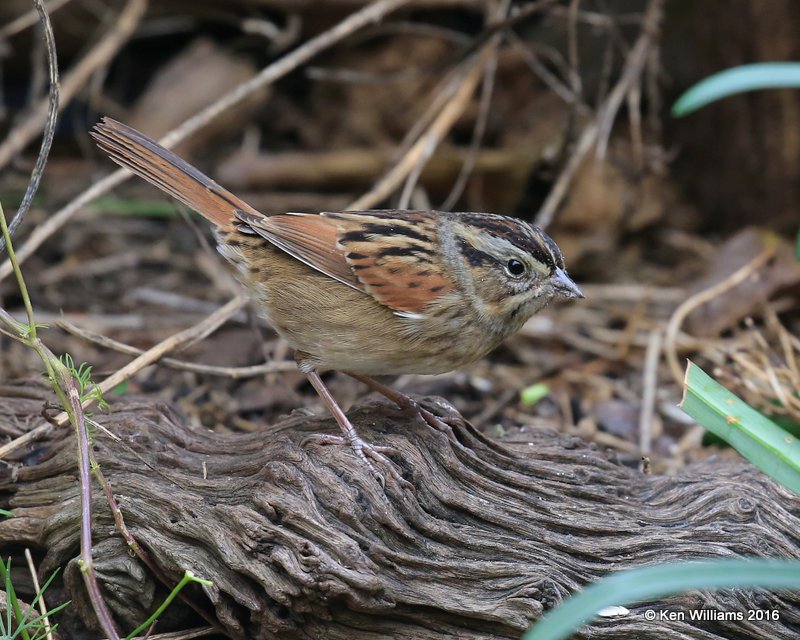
190 81
725 311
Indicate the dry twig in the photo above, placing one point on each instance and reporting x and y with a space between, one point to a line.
649 386
674 324
596 133
426 144
50 112
28 19
76 79
487 90
181 365
155 353
37 589
371 13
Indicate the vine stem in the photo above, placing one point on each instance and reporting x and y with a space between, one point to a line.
64 386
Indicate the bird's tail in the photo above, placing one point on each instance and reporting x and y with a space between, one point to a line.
133 150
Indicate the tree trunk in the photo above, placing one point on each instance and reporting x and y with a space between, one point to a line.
302 542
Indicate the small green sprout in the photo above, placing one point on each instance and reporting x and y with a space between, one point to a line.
83 375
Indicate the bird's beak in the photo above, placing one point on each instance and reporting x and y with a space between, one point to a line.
564 285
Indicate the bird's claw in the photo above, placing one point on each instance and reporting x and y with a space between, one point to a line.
364 451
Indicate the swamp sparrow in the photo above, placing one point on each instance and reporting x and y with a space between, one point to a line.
368 292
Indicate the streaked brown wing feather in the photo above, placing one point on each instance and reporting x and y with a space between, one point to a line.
395 255
309 237
392 255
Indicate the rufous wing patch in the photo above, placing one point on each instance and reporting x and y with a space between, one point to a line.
391 255
309 237
395 256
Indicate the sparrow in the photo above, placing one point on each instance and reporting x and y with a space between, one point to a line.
367 292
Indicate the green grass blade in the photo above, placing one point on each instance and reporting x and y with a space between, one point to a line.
37 624
135 207
749 77
650 583
13 606
775 451
188 577
797 245
5 574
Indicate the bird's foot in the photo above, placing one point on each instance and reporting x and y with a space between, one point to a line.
367 453
413 408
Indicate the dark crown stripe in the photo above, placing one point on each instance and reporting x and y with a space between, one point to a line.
528 238
496 225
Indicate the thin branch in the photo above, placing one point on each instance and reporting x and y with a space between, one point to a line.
28 19
427 142
76 79
649 386
86 563
541 71
596 132
66 390
174 342
446 111
49 123
410 186
152 355
181 365
38 589
370 14
487 91
706 295
572 45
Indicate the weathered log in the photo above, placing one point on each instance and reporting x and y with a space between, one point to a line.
301 541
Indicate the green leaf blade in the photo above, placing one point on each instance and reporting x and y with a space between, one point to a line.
749 77
773 450
649 583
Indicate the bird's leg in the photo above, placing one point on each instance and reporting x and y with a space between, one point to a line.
362 449
409 405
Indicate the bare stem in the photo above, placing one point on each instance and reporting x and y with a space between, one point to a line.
26 300
49 111
369 14
64 386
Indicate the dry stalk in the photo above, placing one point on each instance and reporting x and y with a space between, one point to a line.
50 109
765 368
700 298
370 14
76 79
181 365
649 386
37 589
152 355
487 91
596 132
28 19
424 146
61 378
445 111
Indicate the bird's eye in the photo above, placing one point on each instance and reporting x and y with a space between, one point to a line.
515 267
